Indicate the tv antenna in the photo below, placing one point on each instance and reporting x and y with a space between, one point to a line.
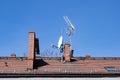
60 43
59 46
71 27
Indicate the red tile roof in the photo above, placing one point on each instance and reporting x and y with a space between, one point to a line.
45 66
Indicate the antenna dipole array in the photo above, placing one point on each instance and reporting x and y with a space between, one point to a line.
71 27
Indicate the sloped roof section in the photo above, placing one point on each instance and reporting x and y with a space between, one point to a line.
54 66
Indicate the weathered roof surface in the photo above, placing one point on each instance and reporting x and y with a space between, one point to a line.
54 66
12 65
79 66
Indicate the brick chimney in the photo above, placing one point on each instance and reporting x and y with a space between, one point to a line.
87 56
31 50
67 52
13 55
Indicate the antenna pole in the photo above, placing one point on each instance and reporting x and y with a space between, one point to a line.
70 41
71 28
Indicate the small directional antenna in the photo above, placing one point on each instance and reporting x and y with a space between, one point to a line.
53 46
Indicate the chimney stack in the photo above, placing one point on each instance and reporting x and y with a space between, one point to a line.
31 50
67 52
13 55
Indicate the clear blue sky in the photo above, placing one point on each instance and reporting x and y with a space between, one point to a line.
97 25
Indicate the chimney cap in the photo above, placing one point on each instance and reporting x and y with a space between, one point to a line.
31 31
67 43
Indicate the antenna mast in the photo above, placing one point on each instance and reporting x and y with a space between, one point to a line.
71 27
